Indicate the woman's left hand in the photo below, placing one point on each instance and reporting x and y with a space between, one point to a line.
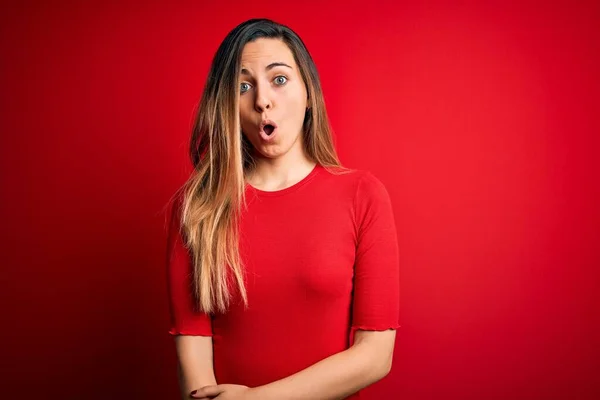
222 392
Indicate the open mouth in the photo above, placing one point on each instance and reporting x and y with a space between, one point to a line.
269 129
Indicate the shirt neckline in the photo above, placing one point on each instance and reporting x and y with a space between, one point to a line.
271 193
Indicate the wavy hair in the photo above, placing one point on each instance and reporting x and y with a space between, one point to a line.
211 200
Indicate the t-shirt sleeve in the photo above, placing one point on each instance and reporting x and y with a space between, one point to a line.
375 304
184 318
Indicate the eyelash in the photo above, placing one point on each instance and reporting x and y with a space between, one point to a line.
278 76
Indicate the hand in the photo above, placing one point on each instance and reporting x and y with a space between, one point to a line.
222 392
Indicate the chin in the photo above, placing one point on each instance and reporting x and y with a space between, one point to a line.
272 153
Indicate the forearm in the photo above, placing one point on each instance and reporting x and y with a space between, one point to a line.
333 378
186 385
195 363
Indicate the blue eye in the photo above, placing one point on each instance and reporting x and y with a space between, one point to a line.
281 80
244 87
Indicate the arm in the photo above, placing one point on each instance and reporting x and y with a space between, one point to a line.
338 376
191 329
195 369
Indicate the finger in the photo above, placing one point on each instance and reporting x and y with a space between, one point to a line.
198 396
206 391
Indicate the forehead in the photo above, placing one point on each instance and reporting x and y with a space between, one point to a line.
264 51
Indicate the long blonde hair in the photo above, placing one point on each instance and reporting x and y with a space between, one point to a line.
212 199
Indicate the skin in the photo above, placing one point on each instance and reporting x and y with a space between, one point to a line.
277 93
280 164
368 360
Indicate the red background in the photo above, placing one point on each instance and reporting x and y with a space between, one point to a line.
481 119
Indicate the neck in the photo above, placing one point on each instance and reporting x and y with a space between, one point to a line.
279 172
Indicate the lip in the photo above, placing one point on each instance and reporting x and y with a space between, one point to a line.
263 134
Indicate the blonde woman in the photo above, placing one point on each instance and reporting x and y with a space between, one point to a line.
282 264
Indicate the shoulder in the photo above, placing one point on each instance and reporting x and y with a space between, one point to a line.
352 176
369 187
361 183
372 204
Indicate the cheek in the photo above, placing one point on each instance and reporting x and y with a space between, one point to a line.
242 107
295 99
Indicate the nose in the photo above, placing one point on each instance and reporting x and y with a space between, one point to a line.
263 99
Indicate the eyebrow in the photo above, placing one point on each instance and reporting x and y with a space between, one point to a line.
244 71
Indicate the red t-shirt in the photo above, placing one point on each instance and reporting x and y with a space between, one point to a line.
321 260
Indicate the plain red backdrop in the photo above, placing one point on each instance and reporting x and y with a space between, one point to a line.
481 119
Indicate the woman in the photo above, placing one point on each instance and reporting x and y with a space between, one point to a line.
282 264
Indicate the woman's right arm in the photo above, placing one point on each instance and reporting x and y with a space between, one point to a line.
195 355
191 330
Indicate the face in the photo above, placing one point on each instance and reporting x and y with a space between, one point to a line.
271 88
